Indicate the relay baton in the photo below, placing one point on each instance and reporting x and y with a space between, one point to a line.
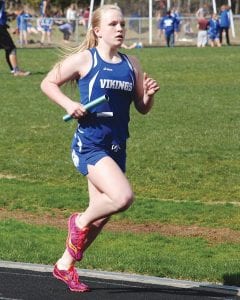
89 105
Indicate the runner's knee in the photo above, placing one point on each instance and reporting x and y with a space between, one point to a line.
124 201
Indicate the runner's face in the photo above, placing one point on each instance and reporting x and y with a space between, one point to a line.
112 28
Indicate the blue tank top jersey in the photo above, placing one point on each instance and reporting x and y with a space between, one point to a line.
107 122
214 28
46 23
22 21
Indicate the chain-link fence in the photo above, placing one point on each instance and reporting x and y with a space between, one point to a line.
137 31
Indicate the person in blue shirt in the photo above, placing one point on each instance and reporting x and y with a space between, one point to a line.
44 5
168 25
224 19
214 31
46 24
176 14
100 139
66 29
22 25
8 45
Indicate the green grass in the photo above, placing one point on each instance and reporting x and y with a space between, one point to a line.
160 256
38 197
183 163
188 145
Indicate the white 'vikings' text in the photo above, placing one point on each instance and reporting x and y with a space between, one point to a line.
116 84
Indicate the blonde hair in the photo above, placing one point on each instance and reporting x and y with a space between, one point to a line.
91 39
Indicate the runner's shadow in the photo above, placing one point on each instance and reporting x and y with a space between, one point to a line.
39 73
231 279
157 292
32 74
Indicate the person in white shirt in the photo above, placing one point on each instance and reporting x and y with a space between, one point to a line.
71 16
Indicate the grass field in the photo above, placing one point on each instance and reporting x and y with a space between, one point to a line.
183 163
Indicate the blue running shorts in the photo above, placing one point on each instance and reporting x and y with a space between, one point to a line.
85 153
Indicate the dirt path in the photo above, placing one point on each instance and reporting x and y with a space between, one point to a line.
212 235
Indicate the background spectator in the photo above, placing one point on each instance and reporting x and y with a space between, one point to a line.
8 45
46 24
71 16
66 29
214 30
22 25
224 19
202 37
168 26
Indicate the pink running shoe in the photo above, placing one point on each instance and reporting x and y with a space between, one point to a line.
71 278
76 238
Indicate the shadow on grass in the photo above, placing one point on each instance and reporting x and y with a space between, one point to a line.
39 73
33 73
231 279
